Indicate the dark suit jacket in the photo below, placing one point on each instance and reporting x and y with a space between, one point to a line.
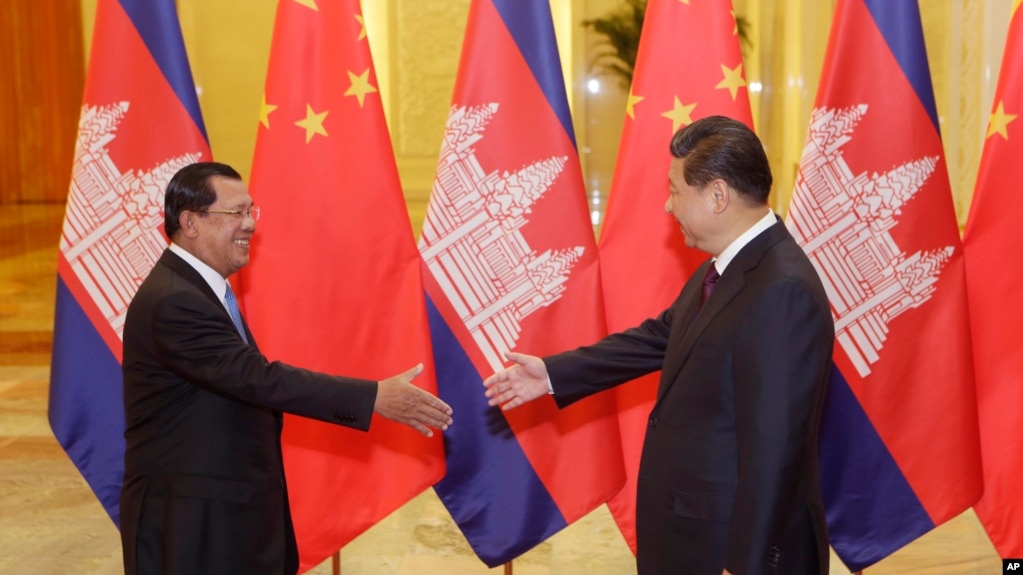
729 471
204 488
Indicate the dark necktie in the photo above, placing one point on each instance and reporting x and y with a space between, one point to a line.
236 314
709 281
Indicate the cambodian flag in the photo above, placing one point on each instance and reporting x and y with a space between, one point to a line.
873 209
511 264
140 123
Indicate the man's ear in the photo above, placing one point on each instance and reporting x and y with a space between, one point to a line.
721 195
187 221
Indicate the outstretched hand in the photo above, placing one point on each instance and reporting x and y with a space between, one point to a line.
399 400
515 385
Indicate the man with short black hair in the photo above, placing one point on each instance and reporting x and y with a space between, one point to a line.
728 480
204 488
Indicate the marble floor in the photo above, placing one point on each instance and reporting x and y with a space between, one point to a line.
50 523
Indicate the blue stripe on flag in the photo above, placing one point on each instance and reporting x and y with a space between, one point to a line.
490 489
865 493
529 22
84 372
157 24
899 23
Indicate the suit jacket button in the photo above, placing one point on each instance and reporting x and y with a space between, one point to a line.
653 421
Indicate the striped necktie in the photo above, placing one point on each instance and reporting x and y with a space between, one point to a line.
236 314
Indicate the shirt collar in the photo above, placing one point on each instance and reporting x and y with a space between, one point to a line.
216 281
728 254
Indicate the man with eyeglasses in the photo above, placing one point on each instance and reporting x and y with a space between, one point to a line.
204 488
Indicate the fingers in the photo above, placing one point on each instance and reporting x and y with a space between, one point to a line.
412 373
519 358
424 411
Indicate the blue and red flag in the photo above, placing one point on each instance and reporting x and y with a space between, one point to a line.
873 210
995 285
324 175
140 123
511 264
688 67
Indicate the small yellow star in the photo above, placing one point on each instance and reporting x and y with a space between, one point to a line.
999 122
312 123
733 79
362 31
309 4
264 112
686 2
630 106
679 115
360 86
735 25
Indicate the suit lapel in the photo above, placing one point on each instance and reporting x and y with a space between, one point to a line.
189 274
732 282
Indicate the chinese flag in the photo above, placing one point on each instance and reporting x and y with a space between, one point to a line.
512 265
995 287
688 67
335 283
899 450
140 124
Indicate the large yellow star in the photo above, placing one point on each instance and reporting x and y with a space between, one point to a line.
264 112
313 123
733 79
679 115
630 106
360 86
309 4
362 30
999 122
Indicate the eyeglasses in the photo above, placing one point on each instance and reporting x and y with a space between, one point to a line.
252 212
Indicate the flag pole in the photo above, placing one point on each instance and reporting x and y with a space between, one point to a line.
336 562
508 568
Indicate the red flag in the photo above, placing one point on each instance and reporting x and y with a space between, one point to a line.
140 123
512 265
335 282
873 210
995 288
689 66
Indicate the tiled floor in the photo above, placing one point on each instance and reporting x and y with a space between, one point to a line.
50 523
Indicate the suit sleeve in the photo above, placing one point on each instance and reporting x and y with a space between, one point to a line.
781 363
614 360
200 346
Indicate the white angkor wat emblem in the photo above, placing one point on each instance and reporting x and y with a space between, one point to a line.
111 236
472 243
843 220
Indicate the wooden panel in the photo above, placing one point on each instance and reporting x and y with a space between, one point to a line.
40 97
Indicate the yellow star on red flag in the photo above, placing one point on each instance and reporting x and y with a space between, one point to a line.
680 115
362 24
733 79
630 105
360 86
264 112
312 123
309 4
999 122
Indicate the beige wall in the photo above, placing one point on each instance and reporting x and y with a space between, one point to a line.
416 44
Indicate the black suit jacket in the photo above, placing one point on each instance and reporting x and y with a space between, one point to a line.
729 472
204 488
